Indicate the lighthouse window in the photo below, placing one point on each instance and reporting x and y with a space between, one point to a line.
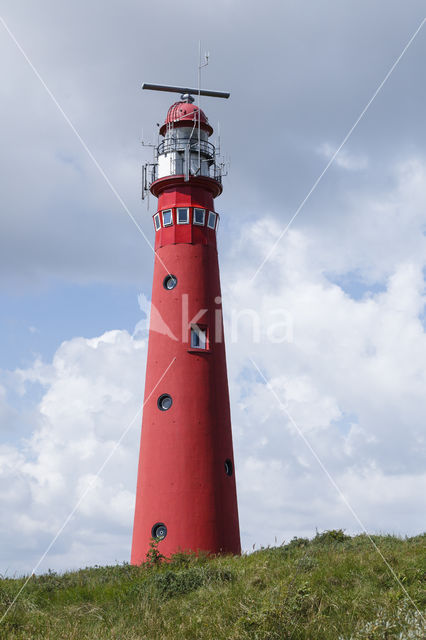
228 467
198 337
183 216
159 531
167 218
157 221
164 402
199 216
170 282
212 220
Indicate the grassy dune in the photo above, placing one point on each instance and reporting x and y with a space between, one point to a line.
333 587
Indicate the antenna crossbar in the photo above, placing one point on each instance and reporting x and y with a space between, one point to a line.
201 92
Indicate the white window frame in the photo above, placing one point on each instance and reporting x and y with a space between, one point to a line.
168 224
187 215
157 222
201 333
201 224
213 216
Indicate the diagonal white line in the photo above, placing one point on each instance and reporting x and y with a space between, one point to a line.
83 143
333 482
345 139
85 492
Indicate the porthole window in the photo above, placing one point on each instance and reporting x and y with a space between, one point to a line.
199 217
159 531
212 220
183 215
228 467
198 337
164 402
167 218
157 221
170 282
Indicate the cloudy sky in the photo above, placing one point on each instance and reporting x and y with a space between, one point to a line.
340 401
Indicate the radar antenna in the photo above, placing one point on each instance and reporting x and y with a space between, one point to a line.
186 91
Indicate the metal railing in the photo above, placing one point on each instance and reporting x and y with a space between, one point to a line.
180 144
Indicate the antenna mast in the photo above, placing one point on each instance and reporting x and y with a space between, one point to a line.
200 66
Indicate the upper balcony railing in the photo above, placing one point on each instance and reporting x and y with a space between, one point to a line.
180 144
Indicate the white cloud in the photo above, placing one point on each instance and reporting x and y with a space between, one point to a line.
344 159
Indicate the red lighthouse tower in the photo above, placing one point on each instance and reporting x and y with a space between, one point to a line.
186 495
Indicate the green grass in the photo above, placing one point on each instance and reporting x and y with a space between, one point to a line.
333 587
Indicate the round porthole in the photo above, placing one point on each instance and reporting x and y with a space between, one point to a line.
228 467
159 531
164 402
170 282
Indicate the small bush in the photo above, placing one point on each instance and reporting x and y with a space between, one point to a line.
331 537
297 543
171 583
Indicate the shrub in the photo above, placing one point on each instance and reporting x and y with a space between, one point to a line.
331 537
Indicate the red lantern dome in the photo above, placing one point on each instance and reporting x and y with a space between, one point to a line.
184 114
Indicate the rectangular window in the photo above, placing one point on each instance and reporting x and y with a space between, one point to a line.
212 220
167 218
157 221
198 337
183 216
199 216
